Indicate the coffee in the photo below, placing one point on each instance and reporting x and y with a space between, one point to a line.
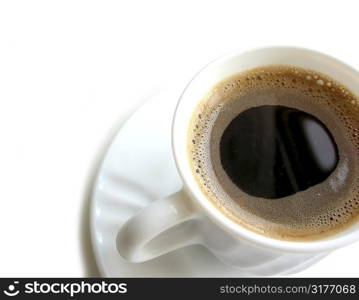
286 151
276 149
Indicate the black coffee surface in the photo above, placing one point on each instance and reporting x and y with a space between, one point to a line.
274 151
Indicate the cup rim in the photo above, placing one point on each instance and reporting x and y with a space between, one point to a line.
213 213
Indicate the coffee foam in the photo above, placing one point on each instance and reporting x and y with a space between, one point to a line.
321 210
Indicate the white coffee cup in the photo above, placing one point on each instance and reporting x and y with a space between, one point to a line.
188 217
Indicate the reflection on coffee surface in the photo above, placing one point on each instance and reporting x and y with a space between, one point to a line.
286 151
276 149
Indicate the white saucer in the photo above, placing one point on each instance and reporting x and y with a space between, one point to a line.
138 169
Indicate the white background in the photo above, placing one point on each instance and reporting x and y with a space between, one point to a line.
72 71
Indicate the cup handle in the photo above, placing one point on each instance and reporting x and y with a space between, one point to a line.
159 228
